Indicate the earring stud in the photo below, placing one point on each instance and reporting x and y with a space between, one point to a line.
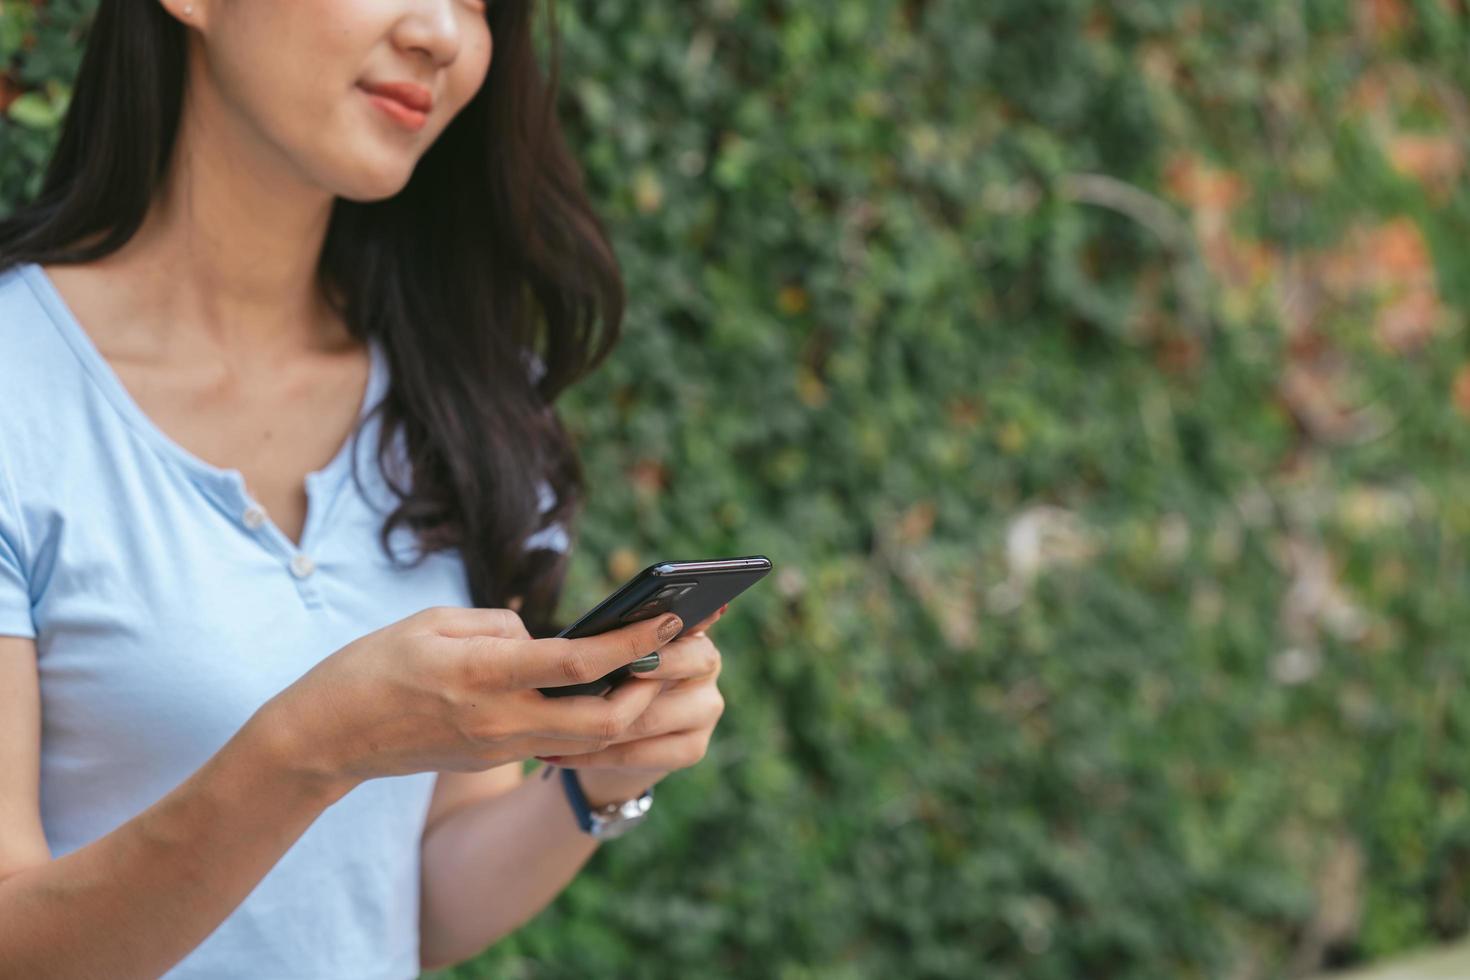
188 9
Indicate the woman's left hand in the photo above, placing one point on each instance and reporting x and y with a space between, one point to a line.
672 733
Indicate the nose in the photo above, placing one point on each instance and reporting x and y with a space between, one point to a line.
433 27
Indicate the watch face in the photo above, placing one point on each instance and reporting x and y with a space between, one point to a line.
624 817
608 829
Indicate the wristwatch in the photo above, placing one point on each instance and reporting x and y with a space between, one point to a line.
608 821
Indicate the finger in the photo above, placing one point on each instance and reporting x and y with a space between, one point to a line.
544 748
559 661
692 655
678 750
588 718
678 710
460 621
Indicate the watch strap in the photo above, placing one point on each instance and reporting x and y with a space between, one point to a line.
577 799
612 820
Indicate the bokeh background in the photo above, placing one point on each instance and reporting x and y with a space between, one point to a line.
1095 374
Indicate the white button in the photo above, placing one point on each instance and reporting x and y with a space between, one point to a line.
302 566
253 517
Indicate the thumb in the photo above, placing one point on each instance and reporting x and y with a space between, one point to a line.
464 621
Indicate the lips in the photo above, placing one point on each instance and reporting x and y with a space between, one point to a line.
414 97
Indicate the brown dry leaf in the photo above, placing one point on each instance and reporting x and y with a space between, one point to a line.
1099 24
648 476
1399 251
1213 194
792 300
1377 18
625 396
622 564
1179 354
1299 300
648 191
1313 391
1435 161
1407 323
964 413
1370 94
1204 187
1460 392
1412 312
1388 265
9 92
1158 63
1237 262
810 389
916 523
1390 254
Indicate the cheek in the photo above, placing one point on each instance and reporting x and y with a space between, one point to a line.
468 73
304 51
293 69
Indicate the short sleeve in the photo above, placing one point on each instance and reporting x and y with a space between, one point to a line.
553 537
15 594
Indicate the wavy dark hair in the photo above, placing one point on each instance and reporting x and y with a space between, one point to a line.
490 259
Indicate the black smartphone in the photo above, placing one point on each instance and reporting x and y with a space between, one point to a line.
693 589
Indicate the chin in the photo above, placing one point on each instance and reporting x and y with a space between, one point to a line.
375 186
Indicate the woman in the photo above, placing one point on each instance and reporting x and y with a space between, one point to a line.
263 331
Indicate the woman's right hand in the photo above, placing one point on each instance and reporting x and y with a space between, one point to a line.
455 689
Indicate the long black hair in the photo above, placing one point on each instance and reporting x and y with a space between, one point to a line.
490 258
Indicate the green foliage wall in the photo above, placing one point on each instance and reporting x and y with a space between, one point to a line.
1095 376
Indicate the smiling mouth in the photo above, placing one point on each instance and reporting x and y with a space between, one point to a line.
398 112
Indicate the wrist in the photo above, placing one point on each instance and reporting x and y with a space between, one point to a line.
604 786
277 743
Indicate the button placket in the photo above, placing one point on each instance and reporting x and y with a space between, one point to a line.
297 562
324 487
302 567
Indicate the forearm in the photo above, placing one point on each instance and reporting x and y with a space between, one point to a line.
491 866
137 901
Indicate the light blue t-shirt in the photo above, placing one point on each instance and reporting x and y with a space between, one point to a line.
167 607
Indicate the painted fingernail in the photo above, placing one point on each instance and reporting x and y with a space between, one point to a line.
723 608
644 664
669 627
549 758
